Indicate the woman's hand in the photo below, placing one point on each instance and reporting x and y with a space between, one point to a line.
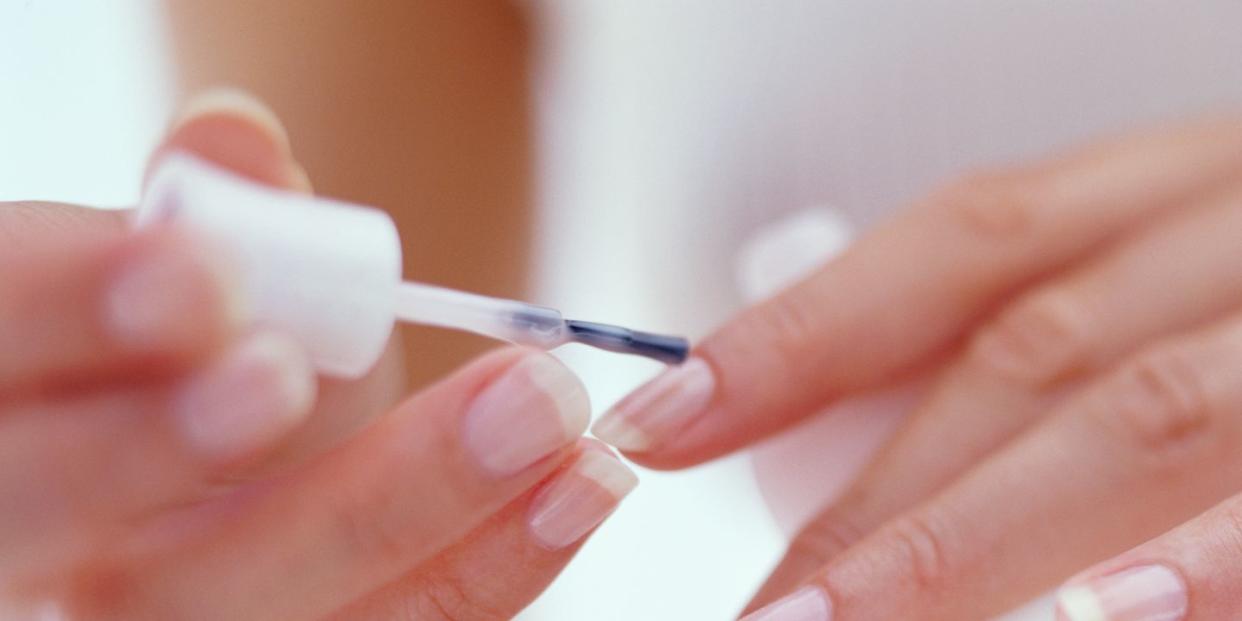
1083 318
141 414
1198 563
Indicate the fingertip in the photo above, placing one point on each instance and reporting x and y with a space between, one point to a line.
299 179
656 413
162 292
806 604
591 444
252 395
235 102
1145 591
665 461
532 409
1077 603
578 499
236 130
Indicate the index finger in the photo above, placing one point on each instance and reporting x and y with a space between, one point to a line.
407 488
83 300
910 289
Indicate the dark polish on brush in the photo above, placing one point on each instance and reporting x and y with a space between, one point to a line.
666 349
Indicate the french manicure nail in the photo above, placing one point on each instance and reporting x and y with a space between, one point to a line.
1147 593
805 604
160 299
659 409
253 134
225 100
252 395
535 408
580 498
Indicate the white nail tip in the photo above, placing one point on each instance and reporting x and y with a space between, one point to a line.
1081 604
621 434
805 604
564 388
235 100
580 499
609 473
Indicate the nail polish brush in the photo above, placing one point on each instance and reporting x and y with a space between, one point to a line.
329 273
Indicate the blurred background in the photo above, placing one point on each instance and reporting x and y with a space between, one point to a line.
612 159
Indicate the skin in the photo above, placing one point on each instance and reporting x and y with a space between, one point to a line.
398 521
1202 554
1078 315
420 108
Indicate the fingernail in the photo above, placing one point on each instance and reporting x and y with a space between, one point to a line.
535 408
252 395
231 126
1148 593
580 498
805 604
659 409
299 179
236 102
161 298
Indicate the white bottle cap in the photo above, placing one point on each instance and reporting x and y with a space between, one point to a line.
325 272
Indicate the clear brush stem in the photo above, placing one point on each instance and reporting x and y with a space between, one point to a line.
508 320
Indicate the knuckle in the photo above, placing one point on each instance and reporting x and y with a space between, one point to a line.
368 535
1039 340
446 599
920 552
991 206
826 537
1159 402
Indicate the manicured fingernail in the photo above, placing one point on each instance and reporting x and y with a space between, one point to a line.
252 395
659 409
161 297
805 604
535 408
1148 593
235 102
299 179
580 498
233 127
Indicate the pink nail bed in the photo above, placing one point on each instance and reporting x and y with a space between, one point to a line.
534 409
580 498
659 409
